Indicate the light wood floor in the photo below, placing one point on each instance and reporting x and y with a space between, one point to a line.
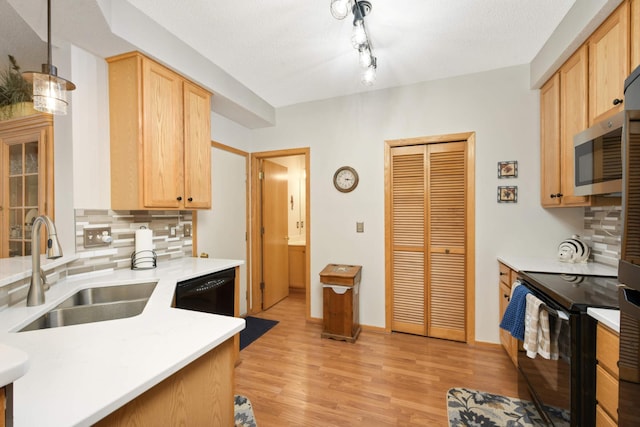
295 378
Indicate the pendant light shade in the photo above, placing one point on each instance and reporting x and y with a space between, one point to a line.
50 92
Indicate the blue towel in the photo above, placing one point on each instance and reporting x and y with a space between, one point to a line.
513 319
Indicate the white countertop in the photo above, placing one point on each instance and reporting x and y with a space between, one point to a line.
17 268
13 364
610 318
79 374
553 265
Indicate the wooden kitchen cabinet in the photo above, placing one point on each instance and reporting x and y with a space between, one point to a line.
608 64
634 6
297 270
563 113
200 394
510 344
26 180
160 137
607 355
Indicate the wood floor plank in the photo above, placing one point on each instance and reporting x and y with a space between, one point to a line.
293 377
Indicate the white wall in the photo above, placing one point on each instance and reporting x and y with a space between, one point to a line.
351 130
222 229
91 156
503 112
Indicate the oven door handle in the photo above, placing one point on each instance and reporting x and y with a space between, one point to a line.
558 313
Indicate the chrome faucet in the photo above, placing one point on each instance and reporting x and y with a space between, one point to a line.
35 296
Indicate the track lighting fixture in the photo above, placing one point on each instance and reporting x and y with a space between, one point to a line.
359 37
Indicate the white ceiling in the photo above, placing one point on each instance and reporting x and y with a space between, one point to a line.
289 52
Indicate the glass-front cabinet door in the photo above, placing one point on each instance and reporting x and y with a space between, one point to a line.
27 180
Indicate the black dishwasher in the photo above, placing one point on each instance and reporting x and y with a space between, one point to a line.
212 293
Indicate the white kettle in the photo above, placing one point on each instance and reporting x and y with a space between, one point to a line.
573 250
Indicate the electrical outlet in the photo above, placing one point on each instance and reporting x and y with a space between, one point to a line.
187 230
172 231
97 236
359 227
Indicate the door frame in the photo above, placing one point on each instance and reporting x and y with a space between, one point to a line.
256 220
470 139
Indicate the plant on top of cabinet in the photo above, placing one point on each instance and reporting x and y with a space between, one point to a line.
14 91
160 137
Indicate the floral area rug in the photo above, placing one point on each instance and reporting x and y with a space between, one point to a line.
243 412
468 407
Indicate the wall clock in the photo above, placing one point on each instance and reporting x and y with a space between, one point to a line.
345 179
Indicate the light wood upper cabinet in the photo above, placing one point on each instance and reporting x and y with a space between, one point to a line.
608 64
581 93
550 142
635 33
197 155
573 119
160 137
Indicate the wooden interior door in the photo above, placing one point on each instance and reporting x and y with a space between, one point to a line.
446 240
275 245
428 234
408 225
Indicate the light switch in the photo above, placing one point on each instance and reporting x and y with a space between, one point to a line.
359 227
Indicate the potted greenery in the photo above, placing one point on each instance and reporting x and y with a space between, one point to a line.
15 91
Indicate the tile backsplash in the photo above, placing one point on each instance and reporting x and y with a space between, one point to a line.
603 233
169 238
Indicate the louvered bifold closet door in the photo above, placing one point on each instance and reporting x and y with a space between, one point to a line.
408 195
446 241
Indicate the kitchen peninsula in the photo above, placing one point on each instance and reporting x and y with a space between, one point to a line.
80 374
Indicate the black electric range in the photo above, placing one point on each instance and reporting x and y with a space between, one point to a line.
568 382
576 292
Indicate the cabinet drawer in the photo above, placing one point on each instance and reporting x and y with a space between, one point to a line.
602 419
607 392
505 275
608 349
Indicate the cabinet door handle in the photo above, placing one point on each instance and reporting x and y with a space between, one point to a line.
190 199
617 101
558 195
179 198
502 273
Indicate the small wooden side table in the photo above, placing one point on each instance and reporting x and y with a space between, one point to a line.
341 313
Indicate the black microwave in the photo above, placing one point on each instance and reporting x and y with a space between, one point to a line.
598 157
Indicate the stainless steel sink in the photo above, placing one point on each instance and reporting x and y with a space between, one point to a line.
96 305
109 294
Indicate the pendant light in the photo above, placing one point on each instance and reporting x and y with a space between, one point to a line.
49 90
